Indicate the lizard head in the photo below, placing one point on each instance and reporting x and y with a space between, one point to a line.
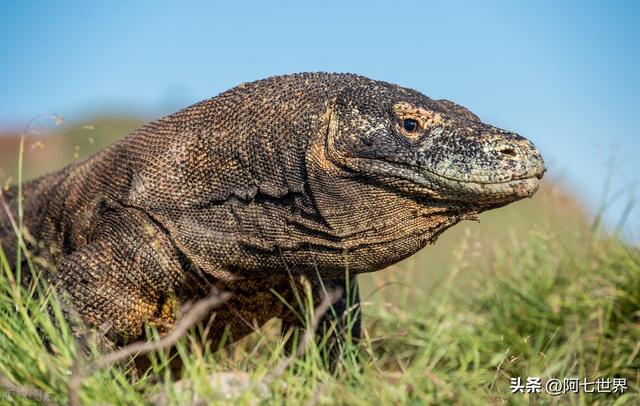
434 148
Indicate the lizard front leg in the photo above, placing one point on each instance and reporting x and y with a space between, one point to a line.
125 277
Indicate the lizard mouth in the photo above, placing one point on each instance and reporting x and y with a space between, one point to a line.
477 190
500 191
496 189
516 188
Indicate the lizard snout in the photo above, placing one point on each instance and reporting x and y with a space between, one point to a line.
520 158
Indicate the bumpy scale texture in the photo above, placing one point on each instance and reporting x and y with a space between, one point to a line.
271 182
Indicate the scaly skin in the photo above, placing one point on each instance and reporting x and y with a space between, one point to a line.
305 174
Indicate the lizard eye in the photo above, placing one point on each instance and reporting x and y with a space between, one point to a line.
410 125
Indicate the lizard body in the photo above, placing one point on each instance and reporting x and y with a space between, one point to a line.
306 174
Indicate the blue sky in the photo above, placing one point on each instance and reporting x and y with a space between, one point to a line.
564 74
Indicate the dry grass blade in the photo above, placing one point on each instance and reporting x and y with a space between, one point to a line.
329 299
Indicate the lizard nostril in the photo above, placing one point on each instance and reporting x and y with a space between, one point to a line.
508 151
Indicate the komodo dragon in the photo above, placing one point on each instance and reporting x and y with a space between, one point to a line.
306 175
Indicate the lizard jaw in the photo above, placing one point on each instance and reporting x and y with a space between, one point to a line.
497 192
442 187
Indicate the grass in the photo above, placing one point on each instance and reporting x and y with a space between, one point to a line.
536 309
531 292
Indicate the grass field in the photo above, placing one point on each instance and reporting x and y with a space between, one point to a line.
531 291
